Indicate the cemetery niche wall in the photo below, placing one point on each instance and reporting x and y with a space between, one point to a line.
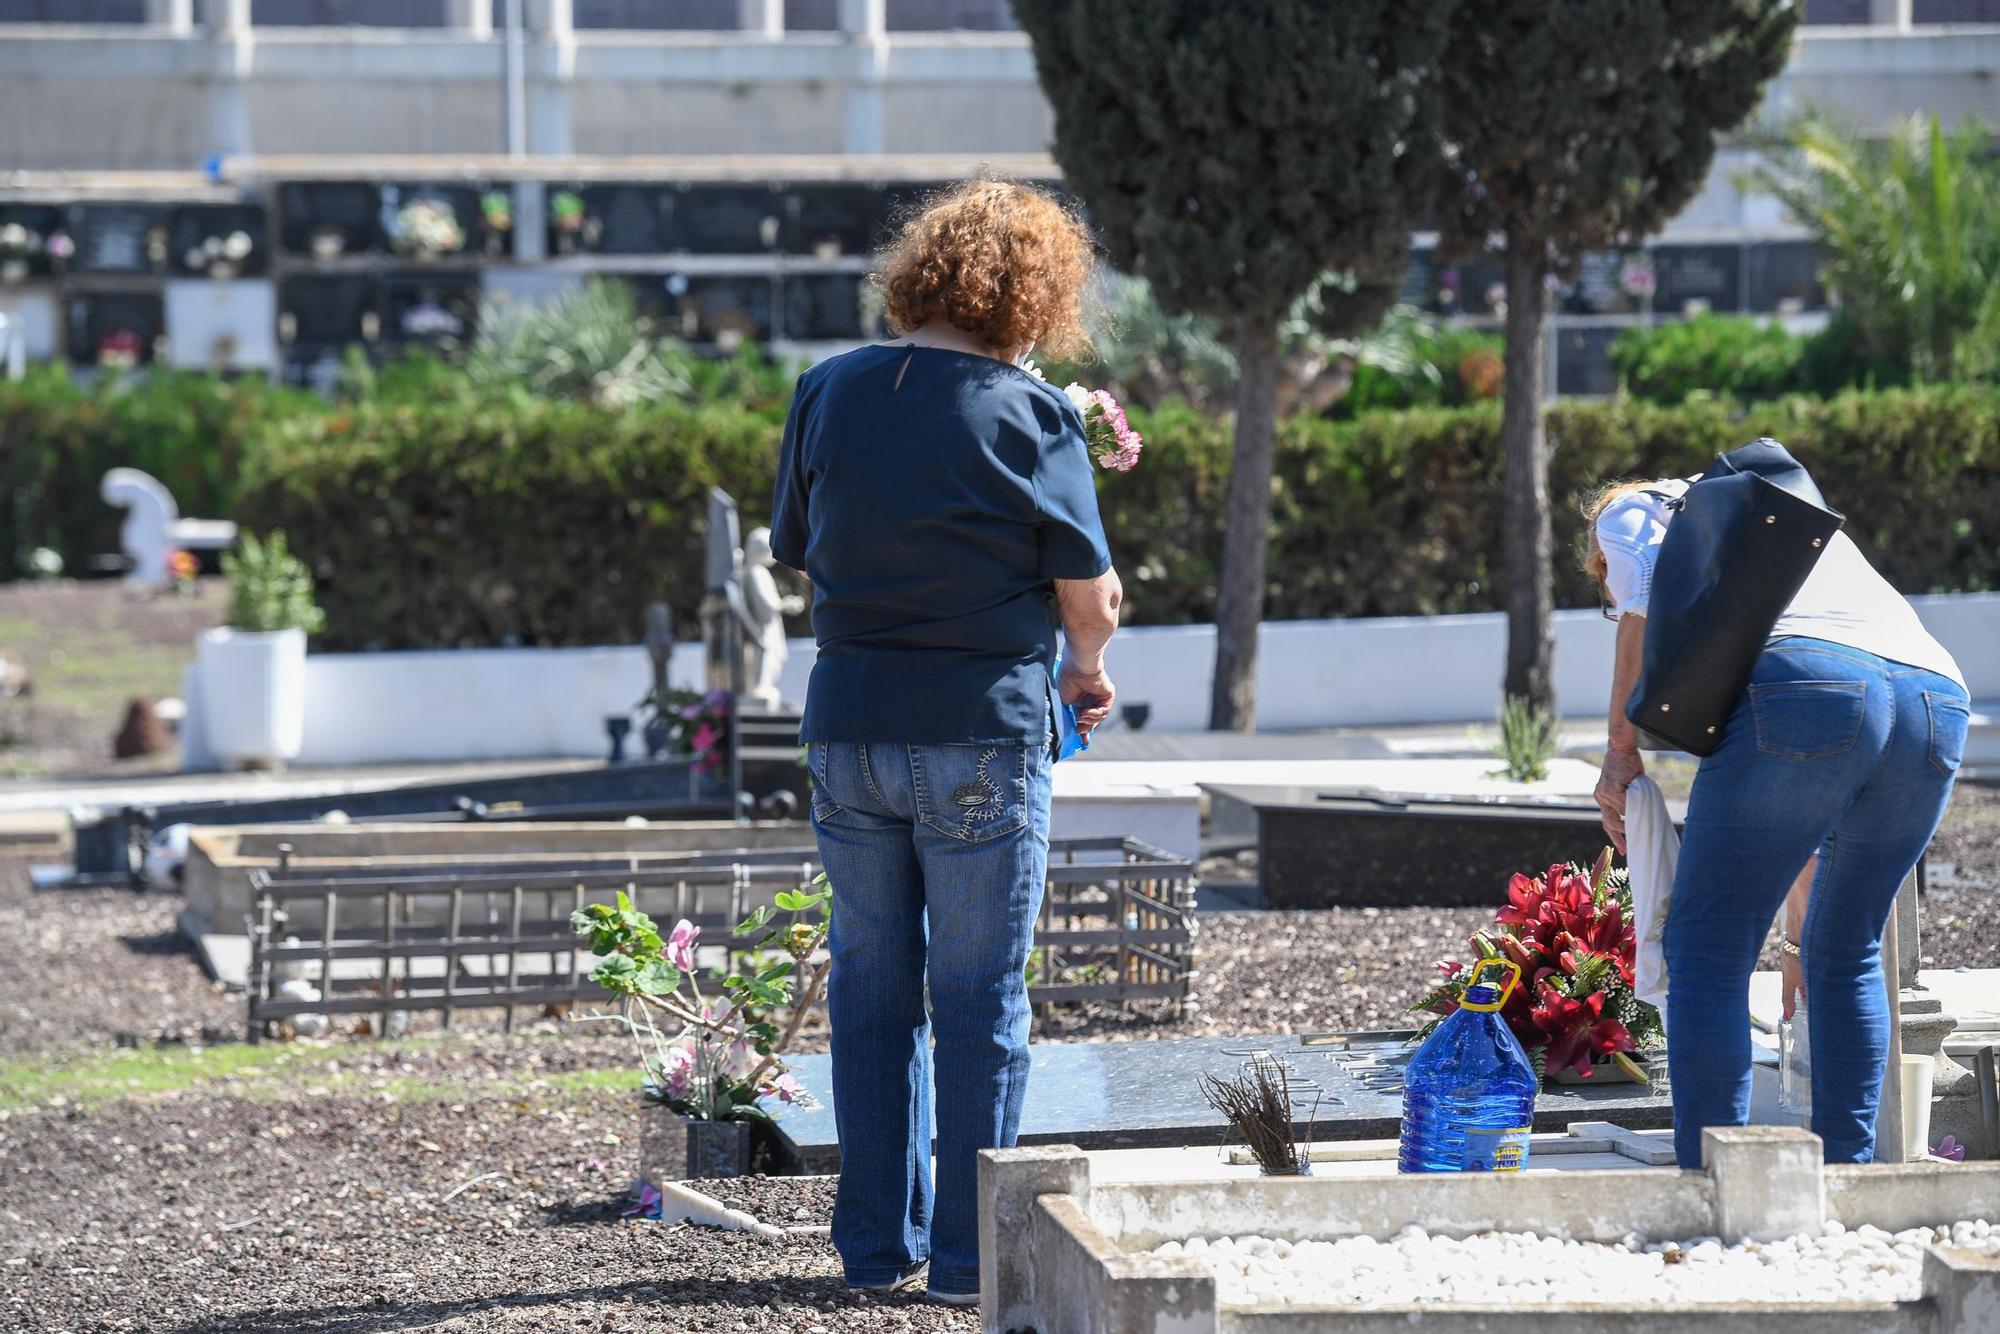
338 255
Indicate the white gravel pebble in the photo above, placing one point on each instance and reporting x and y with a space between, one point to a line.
1859 1264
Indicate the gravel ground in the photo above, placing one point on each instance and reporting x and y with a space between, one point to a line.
216 1187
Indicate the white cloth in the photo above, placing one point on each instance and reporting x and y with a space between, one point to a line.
1652 853
1843 601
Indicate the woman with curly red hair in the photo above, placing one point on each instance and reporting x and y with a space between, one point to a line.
942 499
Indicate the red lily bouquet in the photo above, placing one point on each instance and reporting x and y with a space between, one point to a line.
1570 932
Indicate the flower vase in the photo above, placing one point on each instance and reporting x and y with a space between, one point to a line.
673 1147
658 736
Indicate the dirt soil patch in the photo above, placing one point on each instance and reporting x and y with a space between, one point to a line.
89 649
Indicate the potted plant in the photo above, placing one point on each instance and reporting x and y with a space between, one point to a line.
253 670
709 1054
18 248
1570 931
497 206
567 219
685 722
427 229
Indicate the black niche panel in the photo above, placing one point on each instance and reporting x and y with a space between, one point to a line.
1583 358
824 307
318 311
709 308
115 328
724 219
325 219
212 238
118 238
439 308
1706 274
831 221
1783 276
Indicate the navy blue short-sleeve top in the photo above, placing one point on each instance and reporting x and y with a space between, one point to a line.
932 497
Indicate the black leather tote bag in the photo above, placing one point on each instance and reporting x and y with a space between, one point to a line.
1748 533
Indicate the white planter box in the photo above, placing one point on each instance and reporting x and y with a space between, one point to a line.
253 694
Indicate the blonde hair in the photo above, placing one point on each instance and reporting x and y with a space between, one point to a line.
1595 502
1001 261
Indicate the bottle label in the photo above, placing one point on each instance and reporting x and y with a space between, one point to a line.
1495 1150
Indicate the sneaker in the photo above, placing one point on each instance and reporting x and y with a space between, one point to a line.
909 1281
954 1298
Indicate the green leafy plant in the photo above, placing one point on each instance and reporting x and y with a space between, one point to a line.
591 344
1910 230
713 1054
1731 355
270 588
1529 738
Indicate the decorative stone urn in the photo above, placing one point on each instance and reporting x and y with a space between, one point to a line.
673 1147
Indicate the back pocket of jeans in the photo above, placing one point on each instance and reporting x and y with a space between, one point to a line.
1808 720
972 793
823 805
1950 719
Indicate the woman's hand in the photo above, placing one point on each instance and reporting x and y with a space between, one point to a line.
1621 765
1792 974
1092 693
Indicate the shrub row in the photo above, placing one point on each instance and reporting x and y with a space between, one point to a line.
466 519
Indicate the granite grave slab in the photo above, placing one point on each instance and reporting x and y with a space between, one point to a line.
1136 1095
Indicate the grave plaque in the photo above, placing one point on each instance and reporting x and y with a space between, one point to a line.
725 219
820 306
193 226
1583 359
828 221
127 322
728 308
630 218
1784 276
313 215
1420 282
317 311
115 238
1597 288
426 307
1147 1094
1699 273
42 219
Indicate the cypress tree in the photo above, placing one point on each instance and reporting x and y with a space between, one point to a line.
1574 125
1231 154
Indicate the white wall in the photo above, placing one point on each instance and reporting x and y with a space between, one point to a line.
379 708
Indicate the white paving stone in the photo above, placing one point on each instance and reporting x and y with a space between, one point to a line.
1862 1264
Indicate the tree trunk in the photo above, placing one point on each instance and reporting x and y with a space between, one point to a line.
1246 533
1527 543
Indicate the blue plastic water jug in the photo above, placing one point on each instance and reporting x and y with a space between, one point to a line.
1469 1093
1069 741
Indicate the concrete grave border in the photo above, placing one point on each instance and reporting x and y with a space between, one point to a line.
1061 1256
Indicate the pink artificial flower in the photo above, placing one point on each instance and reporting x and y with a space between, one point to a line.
718 703
705 737
677 1070
1112 438
786 1088
739 1060
680 945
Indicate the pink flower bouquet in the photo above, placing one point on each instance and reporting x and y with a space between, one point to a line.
1113 442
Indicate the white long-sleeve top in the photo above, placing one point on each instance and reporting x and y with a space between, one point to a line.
1843 601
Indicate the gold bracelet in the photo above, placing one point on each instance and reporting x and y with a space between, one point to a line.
1785 946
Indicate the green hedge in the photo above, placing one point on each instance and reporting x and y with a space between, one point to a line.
468 519
58 439
502 521
1398 513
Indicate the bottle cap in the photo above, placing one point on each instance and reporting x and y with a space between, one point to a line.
1481 995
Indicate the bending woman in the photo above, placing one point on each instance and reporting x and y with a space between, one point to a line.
1846 742
943 501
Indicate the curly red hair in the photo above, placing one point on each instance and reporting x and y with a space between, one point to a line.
1002 261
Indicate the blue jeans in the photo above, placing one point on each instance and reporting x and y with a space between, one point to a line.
1834 750
937 855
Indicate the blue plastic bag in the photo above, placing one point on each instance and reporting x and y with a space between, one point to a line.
1069 741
